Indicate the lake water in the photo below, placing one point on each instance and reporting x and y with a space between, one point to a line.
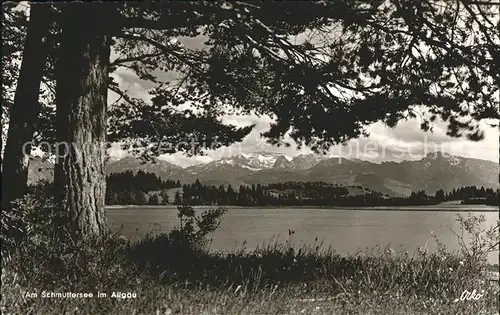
345 230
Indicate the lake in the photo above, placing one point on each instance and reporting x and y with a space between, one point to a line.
345 230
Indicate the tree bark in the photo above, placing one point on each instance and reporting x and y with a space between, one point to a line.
81 97
26 108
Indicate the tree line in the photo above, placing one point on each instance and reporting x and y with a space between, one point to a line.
316 194
136 197
290 194
129 188
138 181
142 188
471 194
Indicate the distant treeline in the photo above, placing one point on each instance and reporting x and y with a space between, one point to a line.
473 195
148 189
198 194
291 194
128 188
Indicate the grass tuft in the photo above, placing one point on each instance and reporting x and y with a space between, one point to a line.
174 273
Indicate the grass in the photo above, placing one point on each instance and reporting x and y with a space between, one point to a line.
174 274
273 280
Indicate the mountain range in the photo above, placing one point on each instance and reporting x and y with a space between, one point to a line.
433 172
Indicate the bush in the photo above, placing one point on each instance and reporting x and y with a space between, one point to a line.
153 200
195 230
482 240
179 248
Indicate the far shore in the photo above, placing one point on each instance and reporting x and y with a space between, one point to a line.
430 208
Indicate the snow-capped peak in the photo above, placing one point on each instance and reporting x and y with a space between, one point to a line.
306 161
258 161
253 161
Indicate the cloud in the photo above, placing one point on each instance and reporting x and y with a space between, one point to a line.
184 161
408 138
116 152
410 131
130 83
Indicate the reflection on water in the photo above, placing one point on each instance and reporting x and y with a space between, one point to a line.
346 231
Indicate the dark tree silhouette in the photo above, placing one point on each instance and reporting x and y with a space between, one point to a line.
82 79
153 200
440 195
24 111
177 198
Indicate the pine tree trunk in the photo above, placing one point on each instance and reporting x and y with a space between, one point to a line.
82 81
26 108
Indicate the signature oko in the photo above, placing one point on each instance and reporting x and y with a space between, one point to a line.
470 296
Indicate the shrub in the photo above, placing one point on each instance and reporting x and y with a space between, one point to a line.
35 247
195 230
181 247
482 241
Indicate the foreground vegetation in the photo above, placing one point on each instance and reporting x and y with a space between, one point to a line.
148 189
174 274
